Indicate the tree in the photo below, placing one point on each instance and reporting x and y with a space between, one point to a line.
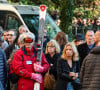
66 16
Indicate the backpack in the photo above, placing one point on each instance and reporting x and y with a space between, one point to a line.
14 77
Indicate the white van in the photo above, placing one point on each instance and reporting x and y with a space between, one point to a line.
12 16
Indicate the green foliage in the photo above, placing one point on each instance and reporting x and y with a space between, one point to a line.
66 16
68 9
51 4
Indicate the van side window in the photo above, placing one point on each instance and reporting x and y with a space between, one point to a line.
2 19
12 23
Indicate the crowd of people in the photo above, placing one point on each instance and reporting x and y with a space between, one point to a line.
74 65
82 25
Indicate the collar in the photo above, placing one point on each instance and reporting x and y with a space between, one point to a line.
26 51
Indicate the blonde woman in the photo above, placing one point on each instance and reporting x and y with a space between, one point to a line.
67 68
52 54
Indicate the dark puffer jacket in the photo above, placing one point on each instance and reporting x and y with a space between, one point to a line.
3 69
90 70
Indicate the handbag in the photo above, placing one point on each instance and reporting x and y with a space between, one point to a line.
49 81
13 78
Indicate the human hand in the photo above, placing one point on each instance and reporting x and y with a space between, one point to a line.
51 64
76 75
72 74
9 61
37 77
38 68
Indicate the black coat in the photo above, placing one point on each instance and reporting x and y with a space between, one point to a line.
83 51
53 60
63 70
9 50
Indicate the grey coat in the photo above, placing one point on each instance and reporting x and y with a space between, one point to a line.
90 70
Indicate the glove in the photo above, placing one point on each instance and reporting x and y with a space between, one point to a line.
38 68
37 77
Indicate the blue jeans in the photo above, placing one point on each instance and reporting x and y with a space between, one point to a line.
69 86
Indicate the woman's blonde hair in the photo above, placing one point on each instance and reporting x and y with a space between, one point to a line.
53 43
75 52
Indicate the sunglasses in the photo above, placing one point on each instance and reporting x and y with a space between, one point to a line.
28 40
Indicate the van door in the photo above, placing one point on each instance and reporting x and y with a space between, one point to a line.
2 19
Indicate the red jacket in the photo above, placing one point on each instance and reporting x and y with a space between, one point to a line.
24 68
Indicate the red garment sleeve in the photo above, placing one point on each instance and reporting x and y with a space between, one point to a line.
19 68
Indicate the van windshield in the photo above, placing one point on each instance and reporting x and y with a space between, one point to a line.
32 21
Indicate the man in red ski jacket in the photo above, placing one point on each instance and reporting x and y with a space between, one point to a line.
25 66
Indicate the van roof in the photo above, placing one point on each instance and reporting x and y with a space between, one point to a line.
22 9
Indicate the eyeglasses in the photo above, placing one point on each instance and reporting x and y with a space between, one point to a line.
10 35
28 40
51 46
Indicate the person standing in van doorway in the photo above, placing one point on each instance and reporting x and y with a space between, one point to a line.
26 69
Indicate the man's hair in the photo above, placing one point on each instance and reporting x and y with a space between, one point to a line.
21 27
89 31
14 30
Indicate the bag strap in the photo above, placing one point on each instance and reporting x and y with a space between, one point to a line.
22 58
22 61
